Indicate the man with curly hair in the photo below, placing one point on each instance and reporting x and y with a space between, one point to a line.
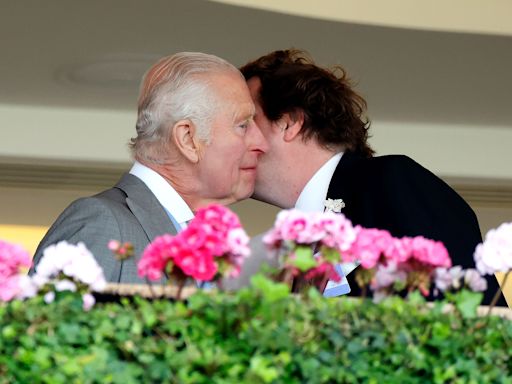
317 132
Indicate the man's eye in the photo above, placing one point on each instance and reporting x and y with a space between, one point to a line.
244 125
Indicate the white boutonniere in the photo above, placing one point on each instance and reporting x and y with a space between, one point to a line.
334 205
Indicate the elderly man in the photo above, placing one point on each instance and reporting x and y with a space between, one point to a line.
317 133
196 144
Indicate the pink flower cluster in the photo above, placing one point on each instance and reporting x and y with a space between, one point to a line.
387 258
323 268
327 229
377 246
409 261
213 243
63 267
12 259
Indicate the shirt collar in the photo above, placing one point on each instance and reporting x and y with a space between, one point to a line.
164 192
312 198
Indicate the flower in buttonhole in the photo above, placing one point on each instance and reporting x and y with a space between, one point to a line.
495 253
122 251
13 258
214 244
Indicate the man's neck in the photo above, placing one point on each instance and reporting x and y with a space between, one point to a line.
314 193
313 161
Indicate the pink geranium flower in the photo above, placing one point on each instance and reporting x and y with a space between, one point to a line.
324 269
213 243
12 258
370 247
430 252
309 244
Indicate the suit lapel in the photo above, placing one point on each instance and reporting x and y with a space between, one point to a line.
339 186
145 207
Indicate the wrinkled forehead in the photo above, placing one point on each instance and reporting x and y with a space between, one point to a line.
232 93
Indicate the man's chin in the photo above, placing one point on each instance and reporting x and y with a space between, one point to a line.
244 194
259 196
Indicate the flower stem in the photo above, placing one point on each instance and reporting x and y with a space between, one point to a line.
498 293
220 285
150 287
180 288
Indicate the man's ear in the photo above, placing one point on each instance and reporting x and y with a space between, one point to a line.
184 138
291 125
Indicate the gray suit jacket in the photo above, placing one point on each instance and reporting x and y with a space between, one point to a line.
127 212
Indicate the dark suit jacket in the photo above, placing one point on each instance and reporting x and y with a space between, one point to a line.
127 212
396 193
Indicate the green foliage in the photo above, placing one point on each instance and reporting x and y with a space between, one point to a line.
257 335
304 259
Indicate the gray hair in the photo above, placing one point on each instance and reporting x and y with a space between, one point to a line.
174 89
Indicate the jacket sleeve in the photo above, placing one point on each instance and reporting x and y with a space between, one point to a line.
90 221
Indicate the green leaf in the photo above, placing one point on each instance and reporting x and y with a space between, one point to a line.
260 367
304 259
467 302
271 290
416 298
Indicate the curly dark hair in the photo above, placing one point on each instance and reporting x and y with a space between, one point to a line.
334 114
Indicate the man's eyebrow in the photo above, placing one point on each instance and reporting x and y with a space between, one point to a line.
239 116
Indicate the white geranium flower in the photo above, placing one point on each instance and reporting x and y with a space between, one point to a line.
74 261
55 258
475 281
495 253
27 286
446 279
85 268
88 301
65 285
49 297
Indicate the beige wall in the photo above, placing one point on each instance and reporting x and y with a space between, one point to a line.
102 136
475 16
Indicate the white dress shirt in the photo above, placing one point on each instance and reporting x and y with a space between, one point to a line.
164 193
312 199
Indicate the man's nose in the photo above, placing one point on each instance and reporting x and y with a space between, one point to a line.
257 141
